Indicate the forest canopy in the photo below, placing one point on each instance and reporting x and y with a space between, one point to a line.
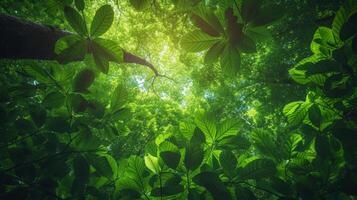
178 99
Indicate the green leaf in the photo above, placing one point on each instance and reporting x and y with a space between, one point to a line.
227 128
53 100
58 124
135 170
315 115
233 142
213 184
78 103
96 109
250 9
198 137
244 193
102 21
228 162
324 40
108 49
214 52
193 156
322 66
83 80
101 63
265 143
70 49
246 44
349 29
208 127
152 163
267 14
119 97
258 33
79 4
81 168
207 21
140 4
170 158
322 147
75 20
193 194
128 193
101 164
296 111
197 41
167 190
24 126
38 73
230 60
256 169
38 115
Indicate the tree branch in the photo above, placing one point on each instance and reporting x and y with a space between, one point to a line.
21 39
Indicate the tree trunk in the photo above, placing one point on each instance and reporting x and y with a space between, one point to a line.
20 39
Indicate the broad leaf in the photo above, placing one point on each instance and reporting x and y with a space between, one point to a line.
256 169
244 193
296 111
227 128
230 60
197 41
108 50
246 45
78 103
228 162
70 48
214 52
119 97
208 127
81 168
193 156
349 28
152 163
102 21
75 20
79 4
250 9
83 80
267 14
207 21
315 115
102 165
58 124
170 158
53 100
167 190
213 184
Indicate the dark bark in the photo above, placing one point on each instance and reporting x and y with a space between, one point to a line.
20 39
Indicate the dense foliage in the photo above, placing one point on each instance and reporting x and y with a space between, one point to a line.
236 99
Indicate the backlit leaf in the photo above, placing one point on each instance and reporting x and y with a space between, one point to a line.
102 21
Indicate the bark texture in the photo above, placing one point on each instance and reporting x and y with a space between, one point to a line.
21 39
